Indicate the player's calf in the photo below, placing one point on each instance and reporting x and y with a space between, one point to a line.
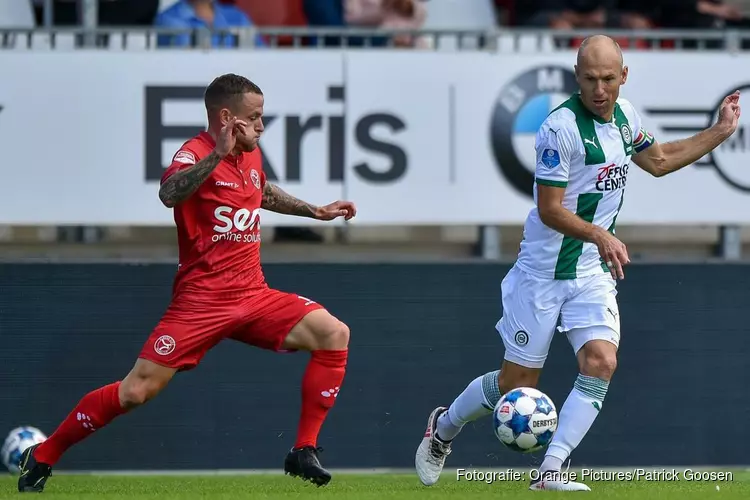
100 407
477 400
481 396
327 339
513 375
143 383
597 361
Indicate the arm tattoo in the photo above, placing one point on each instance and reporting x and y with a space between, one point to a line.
179 186
276 200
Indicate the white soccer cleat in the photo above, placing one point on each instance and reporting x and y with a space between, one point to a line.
432 452
554 481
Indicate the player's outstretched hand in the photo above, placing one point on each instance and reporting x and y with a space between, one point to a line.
227 139
614 253
729 113
336 209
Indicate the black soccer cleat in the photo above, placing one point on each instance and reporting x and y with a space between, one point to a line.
33 474
304 463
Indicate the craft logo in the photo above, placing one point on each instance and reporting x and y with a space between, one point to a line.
730 159
520 110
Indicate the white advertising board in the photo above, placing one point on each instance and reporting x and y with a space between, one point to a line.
410 137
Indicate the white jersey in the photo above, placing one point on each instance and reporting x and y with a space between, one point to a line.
590 158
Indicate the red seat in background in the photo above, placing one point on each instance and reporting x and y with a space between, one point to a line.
274 13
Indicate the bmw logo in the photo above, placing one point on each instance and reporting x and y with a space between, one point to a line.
520 110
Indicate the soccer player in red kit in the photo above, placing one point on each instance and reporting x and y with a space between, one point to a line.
217 188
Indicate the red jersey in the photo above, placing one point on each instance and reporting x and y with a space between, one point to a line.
218 226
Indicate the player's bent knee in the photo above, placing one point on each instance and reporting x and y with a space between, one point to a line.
598 359
334 336
319 330
343 334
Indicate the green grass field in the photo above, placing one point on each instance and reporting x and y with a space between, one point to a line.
355 487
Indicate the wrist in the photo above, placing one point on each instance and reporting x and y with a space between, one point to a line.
219 153
722 130
598 235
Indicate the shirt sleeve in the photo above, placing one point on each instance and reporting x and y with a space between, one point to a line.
184 158
555 149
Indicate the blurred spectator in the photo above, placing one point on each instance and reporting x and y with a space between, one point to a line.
111 12
387 14
372 14
206 14
582 14
324 12
634 14
279 13
559 14
572 15
330 14
703 14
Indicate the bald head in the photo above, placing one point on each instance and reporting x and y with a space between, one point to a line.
599 49
600 73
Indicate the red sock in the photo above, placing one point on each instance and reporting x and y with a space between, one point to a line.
320 387
94 411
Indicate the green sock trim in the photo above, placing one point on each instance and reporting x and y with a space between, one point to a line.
592 387
491 389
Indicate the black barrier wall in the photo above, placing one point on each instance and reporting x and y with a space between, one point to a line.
420 333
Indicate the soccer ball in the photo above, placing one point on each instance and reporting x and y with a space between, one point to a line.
16 443
525 420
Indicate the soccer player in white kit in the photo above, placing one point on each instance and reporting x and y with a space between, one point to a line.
570 259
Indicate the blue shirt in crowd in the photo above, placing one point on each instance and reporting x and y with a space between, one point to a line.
182 15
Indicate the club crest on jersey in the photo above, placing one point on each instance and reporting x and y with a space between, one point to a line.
185 157
627 136
255 177
550 158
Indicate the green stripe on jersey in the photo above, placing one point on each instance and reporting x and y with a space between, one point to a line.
586 129
611 227
571 248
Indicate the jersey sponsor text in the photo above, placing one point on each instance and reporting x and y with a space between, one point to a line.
241 226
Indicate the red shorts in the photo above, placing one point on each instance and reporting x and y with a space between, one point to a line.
192 325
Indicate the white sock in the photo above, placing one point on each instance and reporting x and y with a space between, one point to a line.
478 400
575 419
